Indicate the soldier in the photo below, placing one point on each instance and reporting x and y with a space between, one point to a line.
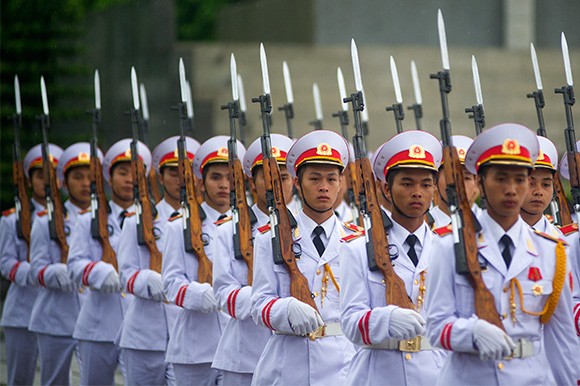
199 321
440 212
525 271
57 305
386 333
145 329
101 315
21 345
243 341
300 352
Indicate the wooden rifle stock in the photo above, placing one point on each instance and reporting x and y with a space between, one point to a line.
565 217
154 186
353 189
23 212
243 244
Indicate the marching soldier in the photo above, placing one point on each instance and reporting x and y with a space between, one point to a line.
301 351
242 341
525 271
101 315
21 345
199 321
440 212
57 305
388 334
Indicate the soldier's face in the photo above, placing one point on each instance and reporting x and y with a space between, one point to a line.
505 188
540 192
121 181
469 180
216 185
320 185
412 191
169 178
37 183
259 185
77 182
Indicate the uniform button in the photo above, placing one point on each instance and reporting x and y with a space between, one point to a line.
416 282
408 357
383 281
315 294
504 315
318 272
500 365
506 289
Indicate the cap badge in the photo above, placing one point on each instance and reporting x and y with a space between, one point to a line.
541 155
275 152
128 153
323 149
510 146
176 153
222 152
84 156
461 152
416 151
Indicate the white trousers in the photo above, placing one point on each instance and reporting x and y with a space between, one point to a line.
55 357
100 361
143 367
21 354
236 379
196 375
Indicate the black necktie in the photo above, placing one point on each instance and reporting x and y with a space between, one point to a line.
411 240
221 217
122 218
506 242
317 240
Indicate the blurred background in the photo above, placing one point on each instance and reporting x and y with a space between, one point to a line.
66 40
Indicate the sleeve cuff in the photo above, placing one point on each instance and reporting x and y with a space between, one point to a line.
275 315
190 296
137 283
95 274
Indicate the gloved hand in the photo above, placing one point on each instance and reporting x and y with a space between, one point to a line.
58 278
111 284
491 341
208 301
243 303
406 324
303 318
22 277
155 286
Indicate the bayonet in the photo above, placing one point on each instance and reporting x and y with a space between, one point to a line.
21 200
397 108
317 123
476 111
417 106
242 118
288 108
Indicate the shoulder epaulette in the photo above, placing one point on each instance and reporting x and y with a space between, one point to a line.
353 227
8 212
175 217
569 229
352 236
550 237
85 211
42 213
443 231
129 214
223 220
264 228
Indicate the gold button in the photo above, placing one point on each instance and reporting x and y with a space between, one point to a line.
383 281
500 365
408 357
506 289
504 315
416 282
318 272
315 294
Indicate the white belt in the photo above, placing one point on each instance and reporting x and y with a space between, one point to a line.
330 329
524 349
418 343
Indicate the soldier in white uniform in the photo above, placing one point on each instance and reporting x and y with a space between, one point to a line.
391 348
57 305
20 343
299 352
197 330
145 329
242 341
525 270
101 315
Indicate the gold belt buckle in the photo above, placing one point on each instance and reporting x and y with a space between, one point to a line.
410 345
319 333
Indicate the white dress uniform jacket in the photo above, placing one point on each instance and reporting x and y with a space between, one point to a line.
365 314
343 212
242 341
289 359
101 315
452 316
147 322
54 312
195 335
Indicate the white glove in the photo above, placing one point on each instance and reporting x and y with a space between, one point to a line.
243 303
155 287
492 342
22 276
406 324
111 284
303 318
208 302
61 279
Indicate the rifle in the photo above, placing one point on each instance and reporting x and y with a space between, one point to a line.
352 184
375 221
243 217
465 225
144 128
476 111
193 214
417 107
144 208
21 200
99 207
54 207
317 123
288 108
559 204
571 151
281 220
397 108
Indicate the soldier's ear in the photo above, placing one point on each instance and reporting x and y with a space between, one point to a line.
386 190
480 180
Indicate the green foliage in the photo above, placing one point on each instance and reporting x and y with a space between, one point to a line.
196 18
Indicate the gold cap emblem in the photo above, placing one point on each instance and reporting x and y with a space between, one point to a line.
128 153
461 152
417 151
541 155
176 153
511 146
222 152
275 152
84 156
323 149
